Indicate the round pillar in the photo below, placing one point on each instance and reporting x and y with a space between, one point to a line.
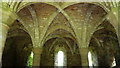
37 55
84 57
3 34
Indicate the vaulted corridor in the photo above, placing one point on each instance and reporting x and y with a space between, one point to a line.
51 34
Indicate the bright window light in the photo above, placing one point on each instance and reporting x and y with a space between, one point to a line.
90 60
60 58
114 63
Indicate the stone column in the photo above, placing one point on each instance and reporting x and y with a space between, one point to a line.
3 34
84 57
37 55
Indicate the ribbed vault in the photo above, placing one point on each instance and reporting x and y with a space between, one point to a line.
73 26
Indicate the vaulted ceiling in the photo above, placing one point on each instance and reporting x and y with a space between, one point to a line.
83 24
46 20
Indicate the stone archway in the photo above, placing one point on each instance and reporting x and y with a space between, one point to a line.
104 44
17 48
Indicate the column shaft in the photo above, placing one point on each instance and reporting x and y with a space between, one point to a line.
3 34
37 55
84 57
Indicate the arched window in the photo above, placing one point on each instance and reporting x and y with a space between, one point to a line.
60 59
90 60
